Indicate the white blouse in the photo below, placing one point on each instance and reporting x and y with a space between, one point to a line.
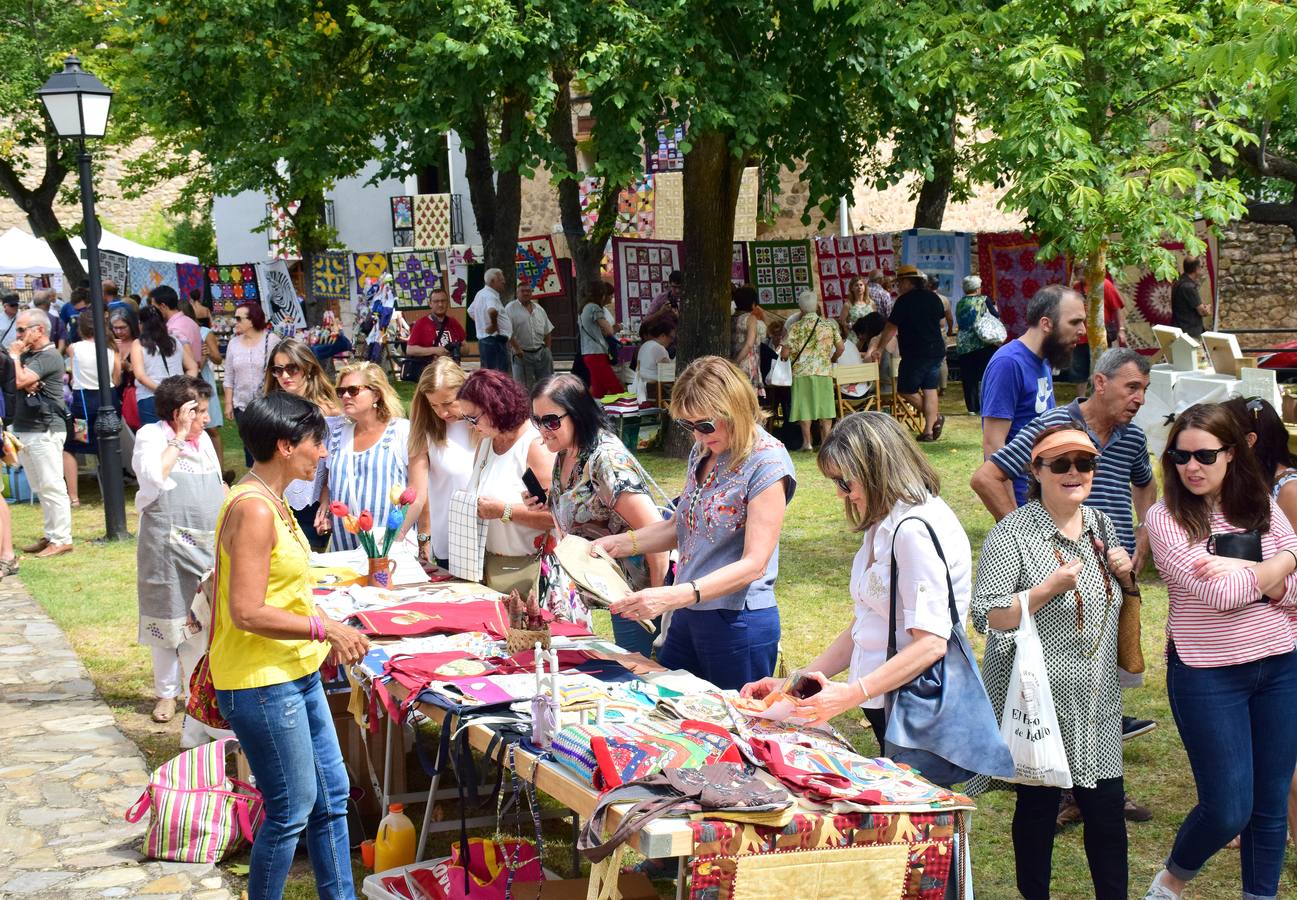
150 441
923 598
449 469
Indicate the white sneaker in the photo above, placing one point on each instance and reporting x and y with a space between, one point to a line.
1158 891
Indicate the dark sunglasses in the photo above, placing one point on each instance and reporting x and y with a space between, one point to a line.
472 420
550 421
242 318
1204 457
292 370
20 330
1063 464
702 426
352 390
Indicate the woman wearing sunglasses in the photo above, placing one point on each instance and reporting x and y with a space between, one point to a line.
498 409
598 487
367 452
1064 561
1231 671
738 485
246 358
295 370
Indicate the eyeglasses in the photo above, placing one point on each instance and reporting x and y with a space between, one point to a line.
550 421
292 370
843 485
353 390
19 330
472 420
1204 457
242 318
1063 464
702 426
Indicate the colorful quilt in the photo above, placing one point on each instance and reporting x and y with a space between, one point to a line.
669 206
663 153
330 279
842 258
745 209
279 298
538 265
1148 300
228 286
115 267
403 221
145 275
780 270
1011 274
190 277
458 258
723 851
940 253
415 274
635 209
431 221
369 267
281 235
739 264
640 271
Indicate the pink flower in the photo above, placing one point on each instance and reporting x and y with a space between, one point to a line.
339 509
406 498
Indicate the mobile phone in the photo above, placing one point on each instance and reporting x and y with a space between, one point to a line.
803 686
533 486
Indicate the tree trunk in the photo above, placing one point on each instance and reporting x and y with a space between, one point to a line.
711 187
503 252
38 205
312 232
934 194
1096 268
479 171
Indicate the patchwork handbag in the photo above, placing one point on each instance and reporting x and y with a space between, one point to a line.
197 814
606 756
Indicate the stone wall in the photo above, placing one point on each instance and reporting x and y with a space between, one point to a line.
1255 281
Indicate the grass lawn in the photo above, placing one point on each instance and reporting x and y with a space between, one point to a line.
91 595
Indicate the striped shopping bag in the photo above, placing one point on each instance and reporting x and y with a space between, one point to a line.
197 813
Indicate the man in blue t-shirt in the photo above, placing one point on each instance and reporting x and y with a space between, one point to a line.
1018 384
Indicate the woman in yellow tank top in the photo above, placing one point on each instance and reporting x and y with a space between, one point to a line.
267 646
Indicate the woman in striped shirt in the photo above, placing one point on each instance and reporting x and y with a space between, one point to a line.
1231 667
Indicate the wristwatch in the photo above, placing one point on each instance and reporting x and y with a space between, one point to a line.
508 513
424 538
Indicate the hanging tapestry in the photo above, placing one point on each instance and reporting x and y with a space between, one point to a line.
635 209
115 267
640 271
1148 300
402 221
780 270
840 259
1011 274
329 277
537 265
745 209
431 221
146 274
669 206
228 286
281 236
662 153
370 267
940 253
279 298
458 258
415 274
190 277
739 264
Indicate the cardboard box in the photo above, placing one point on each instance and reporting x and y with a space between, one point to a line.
633 886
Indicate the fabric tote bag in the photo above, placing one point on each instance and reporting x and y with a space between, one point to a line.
197 814
941 723
1030 723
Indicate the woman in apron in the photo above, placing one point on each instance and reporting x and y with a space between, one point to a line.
180 494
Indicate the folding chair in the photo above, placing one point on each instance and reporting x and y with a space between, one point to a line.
666 376
857 374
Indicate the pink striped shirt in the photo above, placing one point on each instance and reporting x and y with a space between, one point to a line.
1222 622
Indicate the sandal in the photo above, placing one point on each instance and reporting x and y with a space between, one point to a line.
8 566
937 426
164 710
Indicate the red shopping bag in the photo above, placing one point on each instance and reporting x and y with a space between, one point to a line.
488 866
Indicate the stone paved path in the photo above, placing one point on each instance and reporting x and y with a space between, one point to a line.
66 776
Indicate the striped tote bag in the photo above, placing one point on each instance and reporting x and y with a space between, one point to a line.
197 814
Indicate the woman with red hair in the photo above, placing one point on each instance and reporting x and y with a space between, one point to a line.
245 360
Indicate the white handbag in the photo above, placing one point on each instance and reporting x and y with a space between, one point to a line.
1029 724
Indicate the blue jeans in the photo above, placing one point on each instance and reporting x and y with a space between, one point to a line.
148 412
287 734
728 647
631 635
1239 730
493 352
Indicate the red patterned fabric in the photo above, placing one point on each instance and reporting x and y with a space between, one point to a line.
427 617
1011 274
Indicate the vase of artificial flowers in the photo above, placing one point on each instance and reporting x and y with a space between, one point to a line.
376 549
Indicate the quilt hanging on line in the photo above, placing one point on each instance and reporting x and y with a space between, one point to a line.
940 253
739 264
538 265
431 221
669 206
369 267
458 258
1148 300
281 236
840 259
780 270
279 298
745 209
402 221
330 279
147 274
415 273
640 271
190 277
115 267
228 286
663 153
1011 274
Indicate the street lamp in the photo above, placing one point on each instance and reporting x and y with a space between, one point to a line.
77 103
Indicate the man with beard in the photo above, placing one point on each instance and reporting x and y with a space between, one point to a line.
1018 384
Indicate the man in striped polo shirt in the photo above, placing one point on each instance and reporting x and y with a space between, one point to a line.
1123 479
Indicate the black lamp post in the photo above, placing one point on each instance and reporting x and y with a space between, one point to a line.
77 103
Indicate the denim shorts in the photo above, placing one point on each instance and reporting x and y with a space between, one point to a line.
919 374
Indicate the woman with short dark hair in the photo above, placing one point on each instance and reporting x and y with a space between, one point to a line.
179 496
598 488
267 644
155 356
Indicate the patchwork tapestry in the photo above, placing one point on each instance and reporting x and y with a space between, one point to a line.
458 258
669 206
1011 274
842 258
228 286
145 275
402 221
279 297
1148 300
115 267
940 253
537 265
330 279
431 221
281 235
415 274
640 271
780 270
663 153
635 209
739 264
190 277
745 210
369 267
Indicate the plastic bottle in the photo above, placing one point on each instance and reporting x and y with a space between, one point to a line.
394 845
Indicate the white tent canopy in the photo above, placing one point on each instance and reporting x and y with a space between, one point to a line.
22 254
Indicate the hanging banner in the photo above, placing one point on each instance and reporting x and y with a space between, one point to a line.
536 264
228 286
640 271
1011 274
940 253
279 298
840 259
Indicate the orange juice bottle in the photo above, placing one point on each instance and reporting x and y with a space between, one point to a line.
394 845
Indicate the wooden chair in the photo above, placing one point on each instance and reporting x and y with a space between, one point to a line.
857 373
666 378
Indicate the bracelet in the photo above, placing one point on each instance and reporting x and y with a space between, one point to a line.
698 597
507 513
176 443
317 628
423 538
1293 554
634 542
860 683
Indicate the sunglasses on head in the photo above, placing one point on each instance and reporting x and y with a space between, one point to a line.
292 370
1061 465
702 426
352 390
549 421
1204 457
